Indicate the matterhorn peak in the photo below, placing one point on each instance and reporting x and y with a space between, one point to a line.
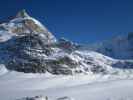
23 25
22 14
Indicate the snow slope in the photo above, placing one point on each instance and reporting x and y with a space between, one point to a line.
16 85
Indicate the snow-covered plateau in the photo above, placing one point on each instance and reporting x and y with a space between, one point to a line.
34 65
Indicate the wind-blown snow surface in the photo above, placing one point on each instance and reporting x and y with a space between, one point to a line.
16 85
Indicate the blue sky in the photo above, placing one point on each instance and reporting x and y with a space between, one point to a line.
83 21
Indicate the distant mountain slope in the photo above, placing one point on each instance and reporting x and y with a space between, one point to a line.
120 47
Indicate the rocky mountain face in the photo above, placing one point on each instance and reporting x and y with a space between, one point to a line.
30 45
27 46
23 24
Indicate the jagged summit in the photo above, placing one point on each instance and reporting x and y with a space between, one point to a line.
22 14
35 49
23 24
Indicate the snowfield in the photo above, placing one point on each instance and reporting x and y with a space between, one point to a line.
16 85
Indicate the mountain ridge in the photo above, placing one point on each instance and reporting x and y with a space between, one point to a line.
28 46
119 47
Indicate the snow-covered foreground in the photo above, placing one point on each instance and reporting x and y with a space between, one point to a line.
14 85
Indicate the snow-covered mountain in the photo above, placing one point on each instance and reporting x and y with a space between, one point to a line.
69 71
120 47
27 46
22 24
